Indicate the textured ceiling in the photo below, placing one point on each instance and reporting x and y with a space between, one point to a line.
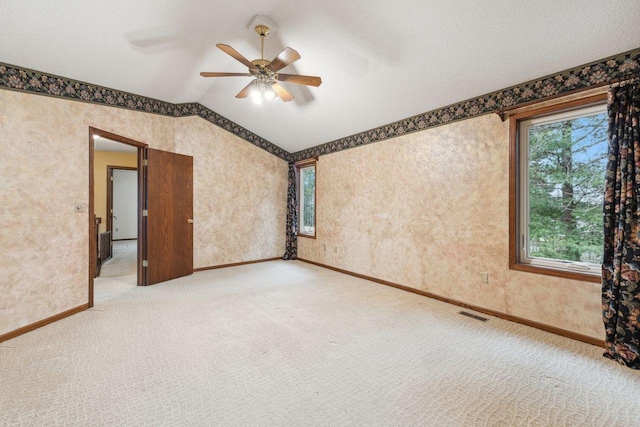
380 61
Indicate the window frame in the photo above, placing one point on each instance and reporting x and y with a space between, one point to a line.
306 164
515 208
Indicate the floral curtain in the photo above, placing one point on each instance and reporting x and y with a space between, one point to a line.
291 243
621 264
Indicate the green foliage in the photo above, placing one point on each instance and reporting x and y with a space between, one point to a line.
567 162
309 188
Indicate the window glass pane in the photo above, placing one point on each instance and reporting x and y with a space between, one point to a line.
567 162
307 200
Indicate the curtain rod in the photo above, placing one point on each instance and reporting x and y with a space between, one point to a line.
621 81
308 160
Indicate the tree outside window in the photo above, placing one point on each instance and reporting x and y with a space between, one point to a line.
307 199
558 166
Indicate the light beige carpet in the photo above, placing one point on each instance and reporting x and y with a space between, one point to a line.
287 343
123 260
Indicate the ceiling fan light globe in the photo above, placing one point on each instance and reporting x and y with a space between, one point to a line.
269 94
257 100
255 93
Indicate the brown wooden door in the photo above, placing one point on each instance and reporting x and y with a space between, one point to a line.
170 211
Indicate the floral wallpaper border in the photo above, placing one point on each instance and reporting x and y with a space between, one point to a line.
595 73
21 79
582 77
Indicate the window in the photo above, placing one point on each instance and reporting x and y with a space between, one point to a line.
559 158
307 198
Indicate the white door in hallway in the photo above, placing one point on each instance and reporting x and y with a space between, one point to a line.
125 204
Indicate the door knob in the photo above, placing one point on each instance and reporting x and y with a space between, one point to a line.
190 221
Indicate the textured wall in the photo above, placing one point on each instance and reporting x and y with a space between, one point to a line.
239 195
102 159
44 171
429 210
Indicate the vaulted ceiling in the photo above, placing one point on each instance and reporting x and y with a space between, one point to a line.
380 61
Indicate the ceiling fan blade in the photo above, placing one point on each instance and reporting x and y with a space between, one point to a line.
300 80
208 74
282 92
244 93
287 56
235 55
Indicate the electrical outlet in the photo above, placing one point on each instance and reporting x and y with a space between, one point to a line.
324 247
79 207
484 277
335 249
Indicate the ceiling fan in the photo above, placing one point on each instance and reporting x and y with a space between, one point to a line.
266 77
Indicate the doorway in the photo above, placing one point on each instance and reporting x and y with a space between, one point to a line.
122 202
164 213
127 155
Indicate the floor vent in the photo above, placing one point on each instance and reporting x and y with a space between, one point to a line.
473 316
